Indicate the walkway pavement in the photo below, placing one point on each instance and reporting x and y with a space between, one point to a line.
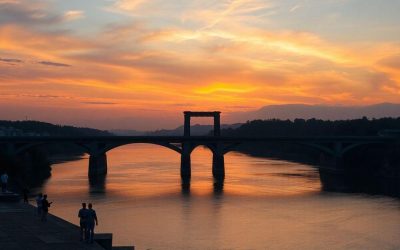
21 229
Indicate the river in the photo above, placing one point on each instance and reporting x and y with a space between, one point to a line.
264 204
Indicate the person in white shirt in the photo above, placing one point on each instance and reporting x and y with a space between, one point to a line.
38 200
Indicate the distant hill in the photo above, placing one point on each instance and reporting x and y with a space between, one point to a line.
36 128
194 130
324 112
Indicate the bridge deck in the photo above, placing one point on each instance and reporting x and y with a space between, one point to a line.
180 139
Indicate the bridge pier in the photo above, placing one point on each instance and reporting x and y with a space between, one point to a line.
334 160
333 163
338 163
218 166
186 171
97 165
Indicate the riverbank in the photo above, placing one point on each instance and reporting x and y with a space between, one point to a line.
21 229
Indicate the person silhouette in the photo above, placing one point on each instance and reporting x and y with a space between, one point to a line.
92 218
83 217
4 181
38 200
45 207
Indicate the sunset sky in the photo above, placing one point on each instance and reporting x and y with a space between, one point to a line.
138 64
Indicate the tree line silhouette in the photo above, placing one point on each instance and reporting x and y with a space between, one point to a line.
302 127
51 129
314 127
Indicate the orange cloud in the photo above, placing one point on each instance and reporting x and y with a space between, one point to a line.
220 62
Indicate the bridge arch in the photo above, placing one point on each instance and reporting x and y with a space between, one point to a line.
356 145
116 145
209 146
339 149
318 147
24 147
213 147
336 149
98 154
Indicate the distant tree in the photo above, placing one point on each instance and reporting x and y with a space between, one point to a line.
51 129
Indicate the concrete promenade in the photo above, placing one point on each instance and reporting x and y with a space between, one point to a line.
21 229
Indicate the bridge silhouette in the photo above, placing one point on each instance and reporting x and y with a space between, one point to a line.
98 146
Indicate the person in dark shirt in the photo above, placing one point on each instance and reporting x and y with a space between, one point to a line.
45 207
83 216
91 219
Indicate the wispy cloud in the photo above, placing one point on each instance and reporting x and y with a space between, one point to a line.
27 13
235 9
74 15
295 7
10 60
392 61
100 103
128 5
55 64
42 96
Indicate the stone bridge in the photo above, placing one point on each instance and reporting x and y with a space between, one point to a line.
98 146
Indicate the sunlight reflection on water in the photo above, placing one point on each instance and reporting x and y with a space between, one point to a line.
264 204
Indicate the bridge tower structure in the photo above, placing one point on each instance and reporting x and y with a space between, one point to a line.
217 148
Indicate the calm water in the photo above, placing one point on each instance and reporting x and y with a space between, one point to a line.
264 204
